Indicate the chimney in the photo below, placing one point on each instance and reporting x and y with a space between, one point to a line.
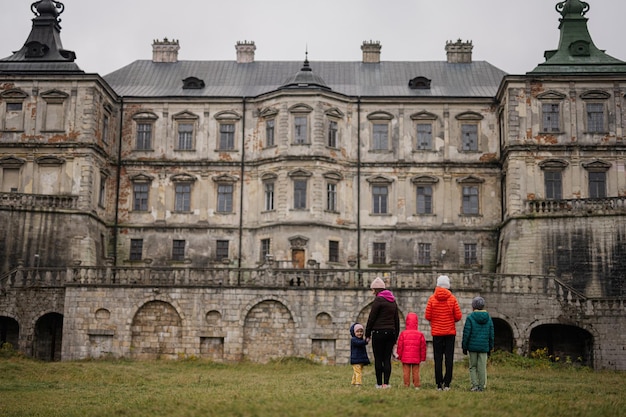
165 51
245 52
459 52
371 52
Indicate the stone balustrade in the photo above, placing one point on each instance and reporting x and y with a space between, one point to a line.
19 200
608 205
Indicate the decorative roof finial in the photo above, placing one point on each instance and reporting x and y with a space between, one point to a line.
576 7
47 7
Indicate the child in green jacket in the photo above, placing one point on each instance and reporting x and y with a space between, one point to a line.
478 338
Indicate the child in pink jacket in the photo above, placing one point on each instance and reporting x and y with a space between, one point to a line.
411 351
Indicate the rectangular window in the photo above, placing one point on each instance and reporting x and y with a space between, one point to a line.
185 136
553 185
551 122
333 251
55 117
105 129
423 253
269 132
265 249
14 117
299 194
102 192
380 253
379 197
332 134
14 106
595 117
227 136
136 249
178 250
424 199
140 196
380 133
144 136
10 180
221 249
424 136
183 197
470 199
269 196
331 197
470 254
225 198
469 133
300 130
597 184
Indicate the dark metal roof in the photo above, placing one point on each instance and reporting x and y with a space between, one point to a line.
145 78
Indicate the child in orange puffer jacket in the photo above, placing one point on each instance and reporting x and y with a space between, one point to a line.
411 351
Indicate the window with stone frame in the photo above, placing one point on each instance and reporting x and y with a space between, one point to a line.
136 249
141 192
596 178
424 124
380 123
424 132
469 137
424 203
54 110
333 133
265 249
268 192
470 195
595 117
469 126
227 137
14 110
300 129
11 168
178 250
227 130
379 253
553 178
470 251
380 136
550 105
333 251
332 182
144 125
551 117
300 180
225 198
221 250
185 136
102 189
331 197
182 201
424 186
105 128
553 184
595 109
423 253
270 132
380 190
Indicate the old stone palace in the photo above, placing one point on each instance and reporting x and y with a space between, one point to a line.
239 209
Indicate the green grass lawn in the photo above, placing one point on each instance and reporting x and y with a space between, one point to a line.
297 387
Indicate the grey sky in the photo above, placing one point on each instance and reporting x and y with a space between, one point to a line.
512 35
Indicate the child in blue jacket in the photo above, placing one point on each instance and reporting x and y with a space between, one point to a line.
478 340
358 353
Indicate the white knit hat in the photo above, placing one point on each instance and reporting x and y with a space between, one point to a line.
378 283
443 281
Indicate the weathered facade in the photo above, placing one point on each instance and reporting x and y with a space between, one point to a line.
203 208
